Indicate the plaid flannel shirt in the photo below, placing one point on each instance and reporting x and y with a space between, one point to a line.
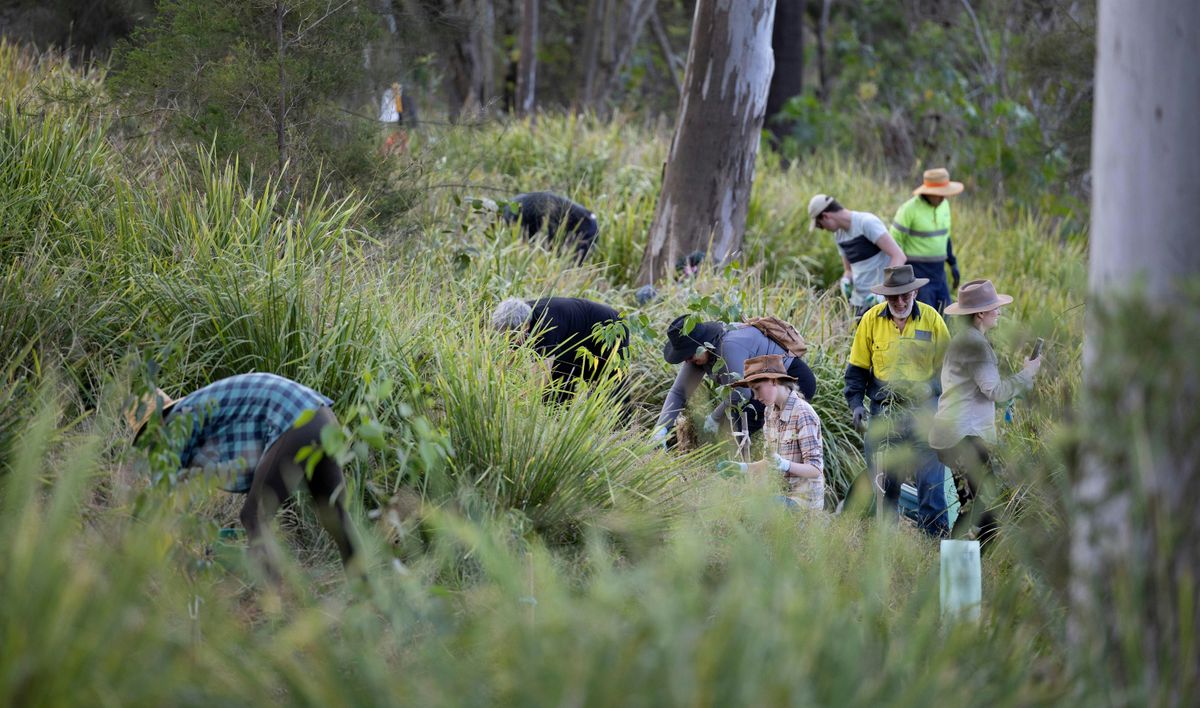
795 434
236 420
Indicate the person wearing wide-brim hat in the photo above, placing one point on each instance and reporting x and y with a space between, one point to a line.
964 428
864 244
922 228
247 431
793 432
718 350
893 372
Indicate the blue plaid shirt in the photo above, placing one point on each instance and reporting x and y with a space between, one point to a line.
236 420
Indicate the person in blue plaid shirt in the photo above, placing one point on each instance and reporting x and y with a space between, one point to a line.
243 429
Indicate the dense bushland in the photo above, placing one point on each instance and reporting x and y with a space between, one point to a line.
519 552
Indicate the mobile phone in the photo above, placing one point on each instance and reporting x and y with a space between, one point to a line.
1037 348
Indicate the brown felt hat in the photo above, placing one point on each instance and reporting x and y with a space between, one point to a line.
761 368
937 182
977 296
898 280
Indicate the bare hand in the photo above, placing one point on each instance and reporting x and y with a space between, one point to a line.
1033 365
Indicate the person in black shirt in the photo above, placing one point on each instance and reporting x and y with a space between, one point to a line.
558 328
556 217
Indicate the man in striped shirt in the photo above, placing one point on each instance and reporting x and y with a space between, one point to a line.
864 244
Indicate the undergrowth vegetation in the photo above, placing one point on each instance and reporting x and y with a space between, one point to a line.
519 551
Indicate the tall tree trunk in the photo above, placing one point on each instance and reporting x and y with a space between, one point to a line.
613 32
281 107
664 45
787 40
710 166
822 63
527 63
593 32
1135 559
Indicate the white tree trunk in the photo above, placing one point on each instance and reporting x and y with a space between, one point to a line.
710 166
1145 217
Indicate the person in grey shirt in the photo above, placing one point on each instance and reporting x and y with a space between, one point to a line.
719 351
964 428
864 244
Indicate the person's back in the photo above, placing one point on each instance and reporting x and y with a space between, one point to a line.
552 214
236 419
561 326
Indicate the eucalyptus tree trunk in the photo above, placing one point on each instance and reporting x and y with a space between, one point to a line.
710 167
527 62
787 81
1135 559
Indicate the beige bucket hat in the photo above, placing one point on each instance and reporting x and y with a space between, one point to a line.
977 296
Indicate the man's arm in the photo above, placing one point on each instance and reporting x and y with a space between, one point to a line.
953 263
686 380
888 245
846 272
858 370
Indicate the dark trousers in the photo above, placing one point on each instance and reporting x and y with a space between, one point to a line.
278 476
895 449
806 381
971 462
935 293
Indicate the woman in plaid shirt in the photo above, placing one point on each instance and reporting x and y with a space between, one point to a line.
792 429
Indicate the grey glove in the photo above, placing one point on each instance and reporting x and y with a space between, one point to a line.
860 418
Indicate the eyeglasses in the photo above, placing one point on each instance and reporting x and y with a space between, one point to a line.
901 297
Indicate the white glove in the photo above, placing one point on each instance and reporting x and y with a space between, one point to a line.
660 435
782 463
711 426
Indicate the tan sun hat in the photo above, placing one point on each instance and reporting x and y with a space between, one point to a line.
977 296
937 183
816 205
138 413
760 368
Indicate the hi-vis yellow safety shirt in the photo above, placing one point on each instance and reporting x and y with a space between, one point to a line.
884 360
923 230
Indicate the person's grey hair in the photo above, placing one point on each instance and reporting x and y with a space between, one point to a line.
513 313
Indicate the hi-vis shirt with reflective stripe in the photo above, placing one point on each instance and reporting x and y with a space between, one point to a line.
922 230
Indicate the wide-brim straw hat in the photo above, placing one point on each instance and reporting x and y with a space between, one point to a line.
977 296
898 280
816 205
937 183
138 413
762 368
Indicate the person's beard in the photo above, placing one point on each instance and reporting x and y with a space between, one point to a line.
902 314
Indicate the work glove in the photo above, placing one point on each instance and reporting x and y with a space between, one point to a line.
860 418
660 436
711 425
847 288
731 468
955 277
782 463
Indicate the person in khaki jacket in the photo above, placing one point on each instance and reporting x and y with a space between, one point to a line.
964 428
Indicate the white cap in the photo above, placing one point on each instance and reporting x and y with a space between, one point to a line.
816 205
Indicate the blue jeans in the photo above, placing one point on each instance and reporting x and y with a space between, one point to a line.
902 453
